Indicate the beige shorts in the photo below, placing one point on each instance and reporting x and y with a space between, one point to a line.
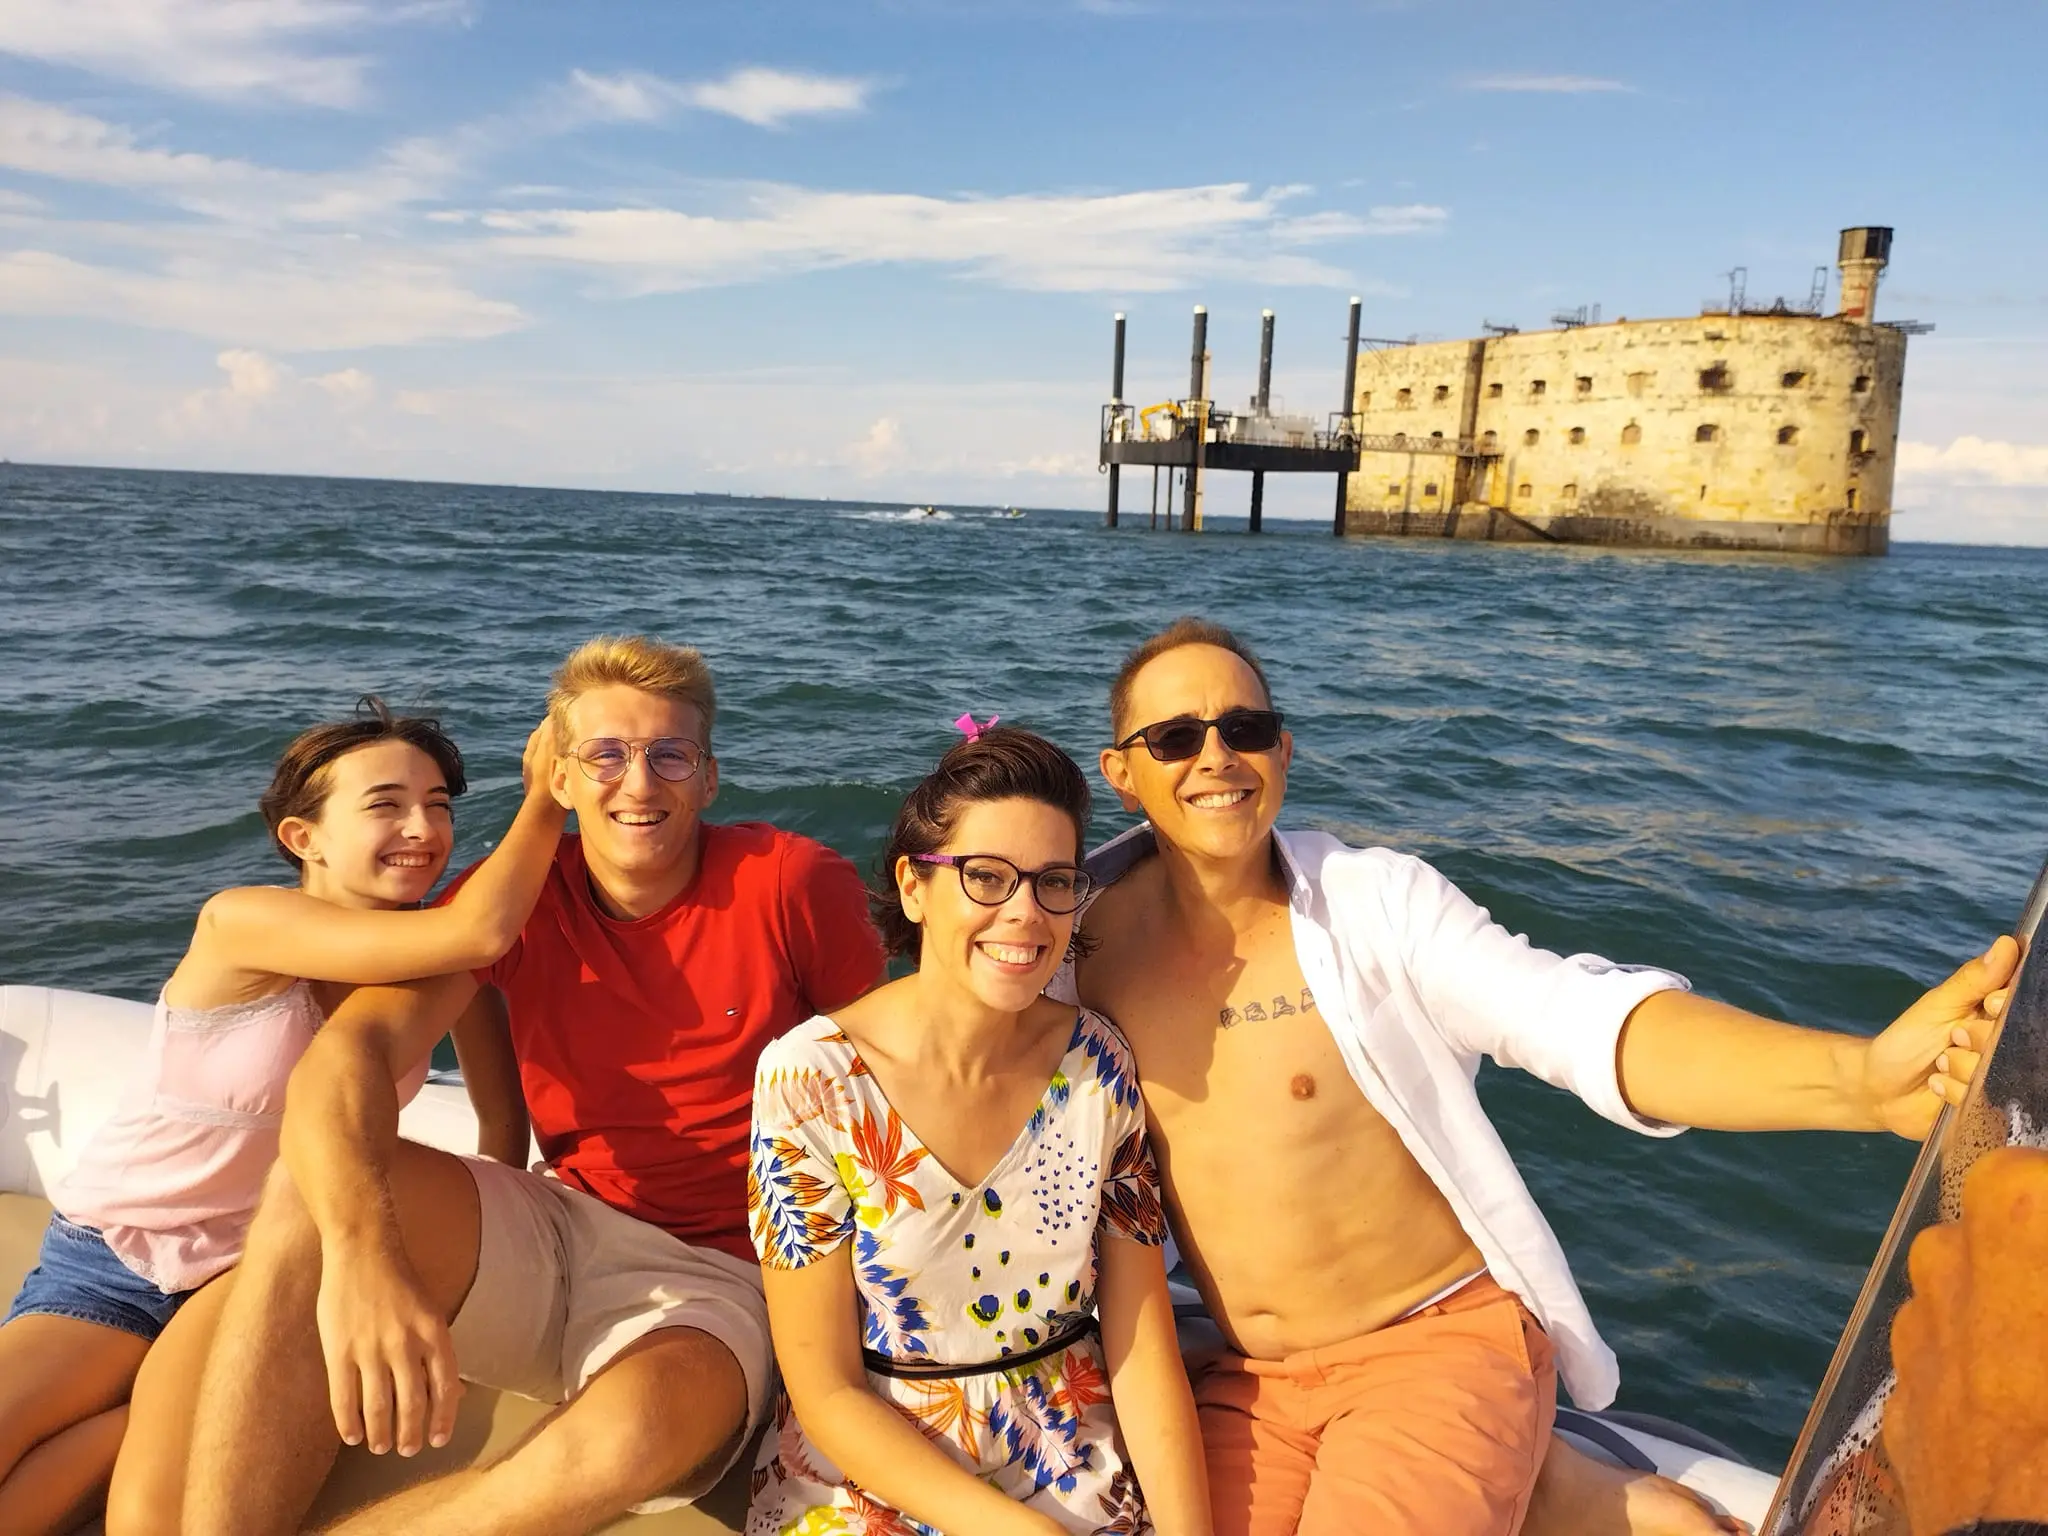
565 1284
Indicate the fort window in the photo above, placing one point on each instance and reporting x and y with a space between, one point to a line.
1365 399
1443 393
1536 386
1716 380
1794 379
1631 434
1859 441
1404 397
1530 437
1522 491
1493 391
1585 385
1862 384
1638 383
1787 435
1852 498
1571 493
1393 490
1578 434
1489 441
1706 433
1429 488
1436 437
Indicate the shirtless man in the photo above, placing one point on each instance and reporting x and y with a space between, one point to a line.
1308 1019
664 953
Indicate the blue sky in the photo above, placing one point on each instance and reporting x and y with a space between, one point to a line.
870 248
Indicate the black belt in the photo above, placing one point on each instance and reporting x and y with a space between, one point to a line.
924 1370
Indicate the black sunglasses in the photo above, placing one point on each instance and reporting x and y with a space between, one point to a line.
1177 740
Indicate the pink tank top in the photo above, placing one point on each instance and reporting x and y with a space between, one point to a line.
171 1182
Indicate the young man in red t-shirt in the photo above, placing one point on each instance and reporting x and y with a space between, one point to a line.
663 954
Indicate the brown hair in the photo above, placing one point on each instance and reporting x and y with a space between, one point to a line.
301 782
1184 631
674 672
1002 763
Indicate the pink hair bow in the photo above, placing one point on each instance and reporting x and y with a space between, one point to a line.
966 727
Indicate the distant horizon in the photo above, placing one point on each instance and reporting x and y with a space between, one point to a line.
1127 514
873 247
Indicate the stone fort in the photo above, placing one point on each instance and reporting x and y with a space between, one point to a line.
1740 428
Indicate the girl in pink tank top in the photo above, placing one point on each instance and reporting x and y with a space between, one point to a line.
163 1194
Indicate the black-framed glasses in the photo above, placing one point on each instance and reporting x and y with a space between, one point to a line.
606 758
1178 739
990 880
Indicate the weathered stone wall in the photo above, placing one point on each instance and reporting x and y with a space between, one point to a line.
1757 431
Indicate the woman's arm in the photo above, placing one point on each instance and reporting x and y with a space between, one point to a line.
490 1071
1155 1408
266 931
812 1313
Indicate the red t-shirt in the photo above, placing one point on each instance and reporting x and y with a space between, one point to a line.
637 1040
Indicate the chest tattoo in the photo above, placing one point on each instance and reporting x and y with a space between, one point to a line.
1257 1011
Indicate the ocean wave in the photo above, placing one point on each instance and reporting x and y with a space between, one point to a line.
1811 786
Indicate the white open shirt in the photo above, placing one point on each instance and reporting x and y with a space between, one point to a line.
1417 983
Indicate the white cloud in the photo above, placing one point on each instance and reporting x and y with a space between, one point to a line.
349 387
287 50
1973 490
52 141
332 298
995 442
630 97
252 379
882 450
41 139
1131 242
1974 461
767 98
1548 85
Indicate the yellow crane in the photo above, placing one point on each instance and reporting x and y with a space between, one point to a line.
1171 407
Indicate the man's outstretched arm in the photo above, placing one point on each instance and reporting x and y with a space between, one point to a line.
1688 1060
390 1365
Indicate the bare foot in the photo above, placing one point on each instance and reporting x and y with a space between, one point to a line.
1579 1496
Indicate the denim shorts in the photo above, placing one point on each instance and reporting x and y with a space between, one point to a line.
77 1275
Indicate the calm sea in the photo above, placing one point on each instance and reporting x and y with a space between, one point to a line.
1811 785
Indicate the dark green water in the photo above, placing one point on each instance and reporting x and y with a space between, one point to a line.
1809 785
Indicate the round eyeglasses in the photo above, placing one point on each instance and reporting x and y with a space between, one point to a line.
990 880
606 758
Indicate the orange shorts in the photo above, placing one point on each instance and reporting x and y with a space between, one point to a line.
1432 1426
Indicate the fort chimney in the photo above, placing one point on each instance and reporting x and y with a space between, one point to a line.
1864 254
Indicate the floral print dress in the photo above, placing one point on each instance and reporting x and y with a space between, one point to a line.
957 1275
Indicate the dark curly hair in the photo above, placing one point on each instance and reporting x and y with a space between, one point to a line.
1002 763
301 782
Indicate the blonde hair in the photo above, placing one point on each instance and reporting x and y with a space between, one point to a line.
676 672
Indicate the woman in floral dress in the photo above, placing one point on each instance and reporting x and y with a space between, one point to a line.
950 1182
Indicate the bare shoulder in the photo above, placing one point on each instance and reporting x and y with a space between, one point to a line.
1120 922
870 1019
